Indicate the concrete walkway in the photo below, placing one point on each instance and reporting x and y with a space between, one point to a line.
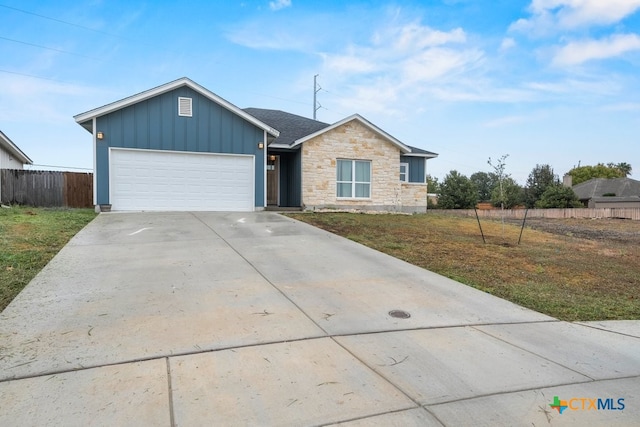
189 319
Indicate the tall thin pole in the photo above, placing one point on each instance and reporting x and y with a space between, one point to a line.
523 221
479 225
316 89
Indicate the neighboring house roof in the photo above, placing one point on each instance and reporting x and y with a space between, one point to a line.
13 149
85 119
291 126
616 199
295 130
598 187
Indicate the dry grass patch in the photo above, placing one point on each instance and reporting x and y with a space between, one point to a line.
554 272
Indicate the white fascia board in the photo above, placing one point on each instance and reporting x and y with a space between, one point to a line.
426 156
184 81
281 146
403 148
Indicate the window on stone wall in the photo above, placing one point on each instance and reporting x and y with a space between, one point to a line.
353 179
404 172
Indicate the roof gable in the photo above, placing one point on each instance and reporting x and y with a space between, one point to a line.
402 147
13 149
85 119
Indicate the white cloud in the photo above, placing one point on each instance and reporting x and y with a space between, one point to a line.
551 15
625 106
255 35
583 87
414 36
26 98
436 63
506 121
279 4
402 61
575 53
507 43
350 63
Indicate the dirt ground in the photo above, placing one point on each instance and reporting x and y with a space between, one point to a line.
623 231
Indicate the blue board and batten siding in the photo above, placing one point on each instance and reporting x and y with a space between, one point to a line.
154 124
416 167
289 179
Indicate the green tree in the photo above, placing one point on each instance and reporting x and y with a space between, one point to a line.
499 166
433 186
624 168
585 173
512 194
485 183
558 196
457 192
540 178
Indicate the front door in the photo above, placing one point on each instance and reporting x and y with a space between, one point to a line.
272 179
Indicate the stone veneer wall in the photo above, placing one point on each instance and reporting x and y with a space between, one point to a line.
352 141
414 197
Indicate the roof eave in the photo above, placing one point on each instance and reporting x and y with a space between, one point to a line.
87 116
14 149
425 155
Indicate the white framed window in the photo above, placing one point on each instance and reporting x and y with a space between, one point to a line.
185 107
353 179
404 172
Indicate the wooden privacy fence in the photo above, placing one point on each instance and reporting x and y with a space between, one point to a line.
625 213
46 188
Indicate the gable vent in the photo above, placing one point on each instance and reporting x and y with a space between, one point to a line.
185 107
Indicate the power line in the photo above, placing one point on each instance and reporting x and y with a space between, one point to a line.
49 48
60 21
95 31
35 77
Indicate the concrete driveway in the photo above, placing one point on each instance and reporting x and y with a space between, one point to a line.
255 319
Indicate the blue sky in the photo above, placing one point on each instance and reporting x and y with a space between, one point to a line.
545 81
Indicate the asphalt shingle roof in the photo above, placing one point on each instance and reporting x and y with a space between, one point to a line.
291 126
415 150
597 187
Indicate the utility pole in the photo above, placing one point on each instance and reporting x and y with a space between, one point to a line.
316 89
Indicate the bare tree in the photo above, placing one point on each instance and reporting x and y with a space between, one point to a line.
498 169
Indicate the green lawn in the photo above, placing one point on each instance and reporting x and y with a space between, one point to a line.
29 239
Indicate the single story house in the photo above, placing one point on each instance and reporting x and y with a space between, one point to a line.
350 164
609 193
181 147
12 157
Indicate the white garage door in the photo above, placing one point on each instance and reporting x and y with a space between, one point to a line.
177 181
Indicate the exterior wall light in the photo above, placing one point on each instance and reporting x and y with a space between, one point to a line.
260 145
272 158
100 135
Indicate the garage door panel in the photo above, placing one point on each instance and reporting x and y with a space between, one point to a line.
166 180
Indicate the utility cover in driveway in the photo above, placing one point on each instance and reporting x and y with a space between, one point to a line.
179 181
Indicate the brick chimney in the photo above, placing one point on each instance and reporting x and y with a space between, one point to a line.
567 180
